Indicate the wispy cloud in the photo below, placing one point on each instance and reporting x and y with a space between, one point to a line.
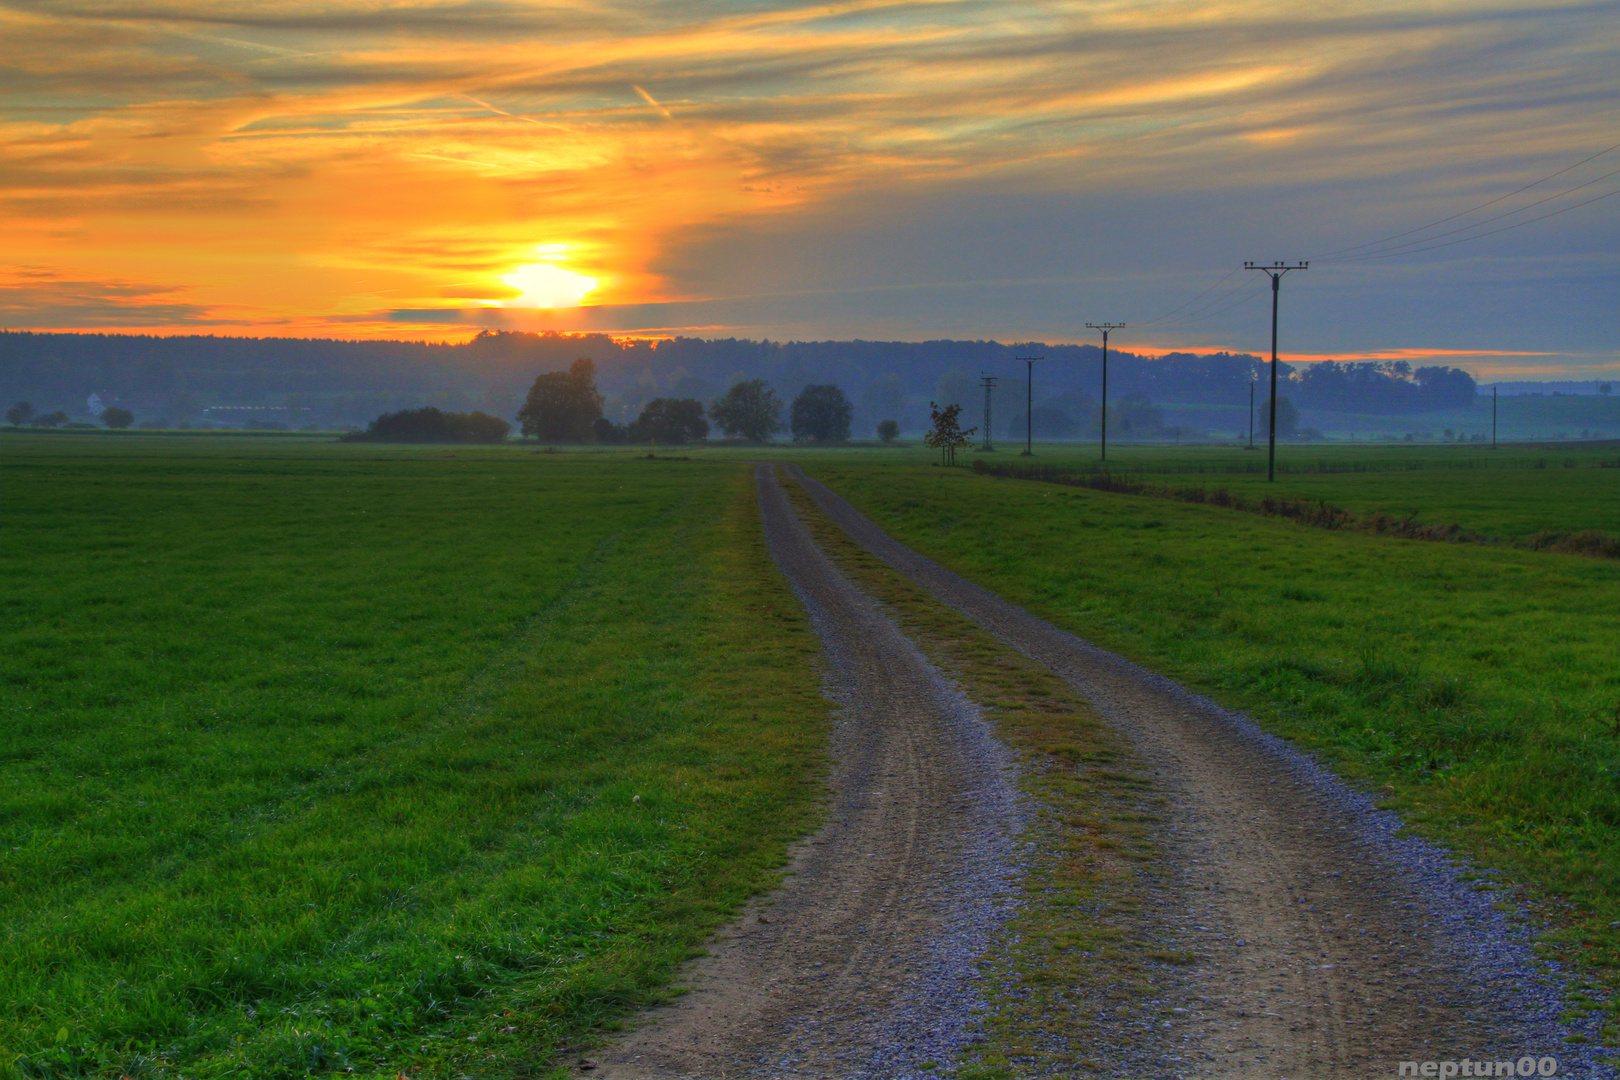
29 294
697 151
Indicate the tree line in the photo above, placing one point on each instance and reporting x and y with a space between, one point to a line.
174 381
566 406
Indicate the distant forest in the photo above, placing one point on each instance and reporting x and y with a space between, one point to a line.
302 383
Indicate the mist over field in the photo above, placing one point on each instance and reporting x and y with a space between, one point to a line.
293 384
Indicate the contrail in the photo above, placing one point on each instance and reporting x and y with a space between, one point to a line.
649 99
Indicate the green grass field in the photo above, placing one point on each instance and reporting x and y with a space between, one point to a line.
319 757
1513 492
1476 685
439 760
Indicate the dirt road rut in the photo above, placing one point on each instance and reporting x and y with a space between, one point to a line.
1326 945
861 965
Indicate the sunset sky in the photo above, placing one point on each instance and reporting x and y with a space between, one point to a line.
873 169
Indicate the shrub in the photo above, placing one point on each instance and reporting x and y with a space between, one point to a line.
430 425
606 431
670 420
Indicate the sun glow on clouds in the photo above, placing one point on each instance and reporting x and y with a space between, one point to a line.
547 285
249 176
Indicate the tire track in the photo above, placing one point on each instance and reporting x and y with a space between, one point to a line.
862 964
1327 944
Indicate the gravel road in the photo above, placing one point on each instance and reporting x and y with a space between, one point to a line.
1327 944
862 964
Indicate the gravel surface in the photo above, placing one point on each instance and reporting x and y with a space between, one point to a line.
863 963
1326 944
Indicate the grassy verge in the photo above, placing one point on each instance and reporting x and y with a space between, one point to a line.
1593 542
365 763
1476 687
1081 942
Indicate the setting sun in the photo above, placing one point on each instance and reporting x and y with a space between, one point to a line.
546 285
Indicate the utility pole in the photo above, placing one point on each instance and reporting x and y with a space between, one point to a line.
1275 272
1251 412
1493 416
989 383
1029 404
1105 327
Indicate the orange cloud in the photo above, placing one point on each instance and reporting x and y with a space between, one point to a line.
322 163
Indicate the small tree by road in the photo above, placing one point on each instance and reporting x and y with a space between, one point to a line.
947 435
672 421
888 431
562 406
20 413
749 410
821 413
117 418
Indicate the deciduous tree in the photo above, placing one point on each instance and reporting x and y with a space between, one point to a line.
117 418
888 431
20 413
1287 418
947 435
562 405
821 413
749 410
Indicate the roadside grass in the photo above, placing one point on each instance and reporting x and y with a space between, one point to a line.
1082 941
1513 493
315 761
1518 492
1476 687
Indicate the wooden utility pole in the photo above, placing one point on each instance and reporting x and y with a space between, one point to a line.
1105 327
1275 272
1029 404
989 383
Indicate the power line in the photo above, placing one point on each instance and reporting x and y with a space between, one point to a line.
1210 313
1481 206
1480 236
1194 300
1396 250
1214 302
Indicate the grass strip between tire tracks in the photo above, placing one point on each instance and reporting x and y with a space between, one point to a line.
1082 938
1472 686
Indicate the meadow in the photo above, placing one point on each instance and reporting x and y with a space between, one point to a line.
1515 492
413 759
1474 685
370 760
